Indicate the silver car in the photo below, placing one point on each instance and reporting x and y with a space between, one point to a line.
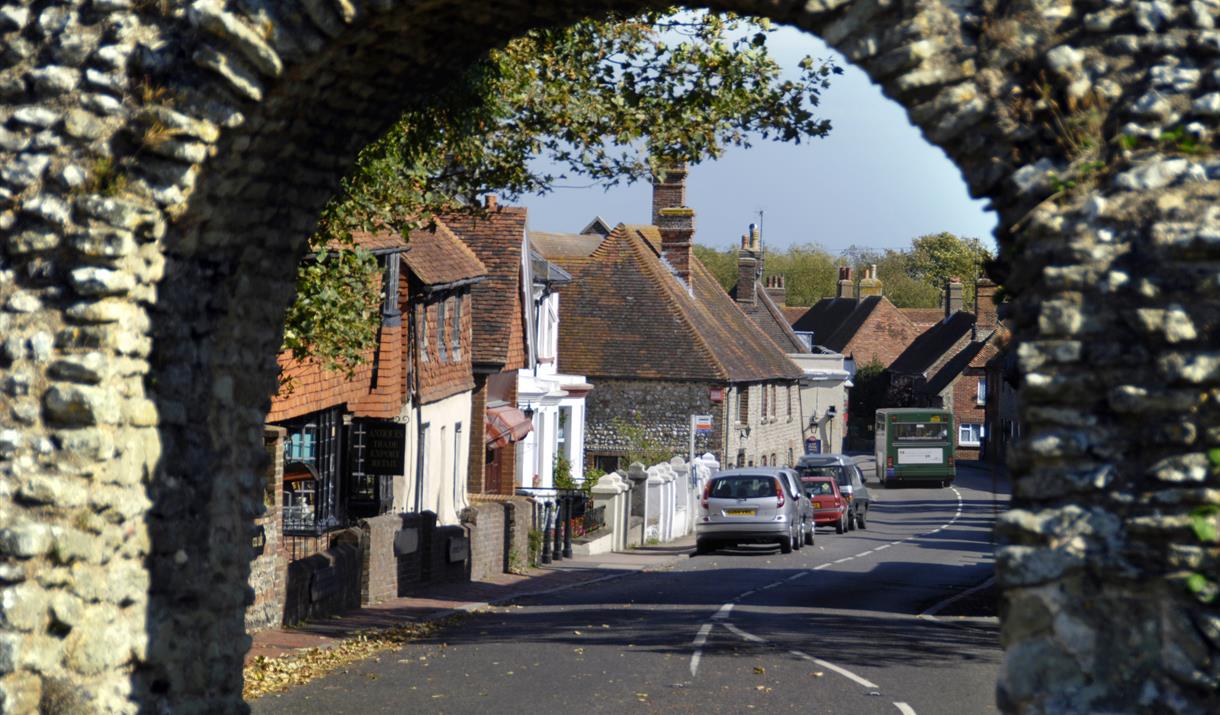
754 504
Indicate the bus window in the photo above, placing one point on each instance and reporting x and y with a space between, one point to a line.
921 432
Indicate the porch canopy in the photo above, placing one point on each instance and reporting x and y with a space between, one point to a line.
504 425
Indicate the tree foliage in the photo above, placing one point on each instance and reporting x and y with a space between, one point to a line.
937 257
615 100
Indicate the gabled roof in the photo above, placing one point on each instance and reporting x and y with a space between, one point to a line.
597 226
437 257
932 344
382 240
770 318
496 239
626 315
793 313
835 321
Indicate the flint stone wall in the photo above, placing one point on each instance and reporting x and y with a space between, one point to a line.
161 165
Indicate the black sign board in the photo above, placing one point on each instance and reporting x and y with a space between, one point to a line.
385 448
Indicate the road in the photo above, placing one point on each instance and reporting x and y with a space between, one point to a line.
833 628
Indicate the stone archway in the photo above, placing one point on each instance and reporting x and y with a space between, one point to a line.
142 297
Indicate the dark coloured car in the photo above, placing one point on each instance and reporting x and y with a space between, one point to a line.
850 480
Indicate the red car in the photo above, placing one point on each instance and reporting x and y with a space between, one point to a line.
829 506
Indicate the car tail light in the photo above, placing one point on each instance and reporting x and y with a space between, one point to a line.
707 492
779 490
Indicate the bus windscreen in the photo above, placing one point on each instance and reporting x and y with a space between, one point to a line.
920 431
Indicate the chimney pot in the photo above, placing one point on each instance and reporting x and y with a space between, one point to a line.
846 287
953 296
870 285
489 202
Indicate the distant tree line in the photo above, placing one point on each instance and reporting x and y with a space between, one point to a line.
910 278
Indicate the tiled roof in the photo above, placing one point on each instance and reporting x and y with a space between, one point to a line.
438 257
834 321
932 344
377 241
565 245
626 315
496 239
924 317
793 313
768 316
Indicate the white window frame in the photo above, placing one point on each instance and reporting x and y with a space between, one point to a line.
423 333
442 327
981 391
965 433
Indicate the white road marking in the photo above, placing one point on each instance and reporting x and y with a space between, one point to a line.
697 656
847 558
770 586
724 611
743 634
795 576
883 546
841 671
819 567
905 709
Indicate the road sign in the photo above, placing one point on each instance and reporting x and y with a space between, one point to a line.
702 424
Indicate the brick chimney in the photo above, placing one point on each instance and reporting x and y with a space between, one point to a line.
489 202
749 266
984 305
870 284
668 192
776 290
677 225
953 296
847 288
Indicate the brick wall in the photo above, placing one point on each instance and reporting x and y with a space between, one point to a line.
326 583
965 406
883 336
379 579
267 570
499 535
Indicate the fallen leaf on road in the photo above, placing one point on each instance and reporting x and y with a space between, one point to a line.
817 674
760 670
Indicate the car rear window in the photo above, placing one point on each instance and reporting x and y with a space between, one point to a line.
823 470
819 489
743 488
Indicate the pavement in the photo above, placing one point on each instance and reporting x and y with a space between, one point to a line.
439 601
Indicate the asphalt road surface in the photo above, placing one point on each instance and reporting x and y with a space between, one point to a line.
832 628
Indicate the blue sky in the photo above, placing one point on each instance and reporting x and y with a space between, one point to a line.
874 181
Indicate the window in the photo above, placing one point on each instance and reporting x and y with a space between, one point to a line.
457 472
456 341
774 462
921 431
762 461
774 402
788 399
790 462
561 434
981 398
311 473
743 405
766 390
442 327
422 319
970 435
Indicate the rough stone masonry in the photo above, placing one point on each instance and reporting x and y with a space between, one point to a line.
161 164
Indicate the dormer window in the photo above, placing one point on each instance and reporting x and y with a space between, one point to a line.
442 327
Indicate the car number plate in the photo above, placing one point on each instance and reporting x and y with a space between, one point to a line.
739 512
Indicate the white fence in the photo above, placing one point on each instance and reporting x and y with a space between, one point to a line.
665 497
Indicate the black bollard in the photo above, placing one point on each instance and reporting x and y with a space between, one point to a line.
546 533
567 527
557 552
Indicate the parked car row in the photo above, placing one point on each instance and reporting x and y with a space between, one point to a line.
782 505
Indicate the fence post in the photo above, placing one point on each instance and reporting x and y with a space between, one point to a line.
567 525
546 533
682 510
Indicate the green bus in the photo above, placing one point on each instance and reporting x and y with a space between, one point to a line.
913 445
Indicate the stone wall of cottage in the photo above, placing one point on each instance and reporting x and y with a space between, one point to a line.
144 146
660 409
267 570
